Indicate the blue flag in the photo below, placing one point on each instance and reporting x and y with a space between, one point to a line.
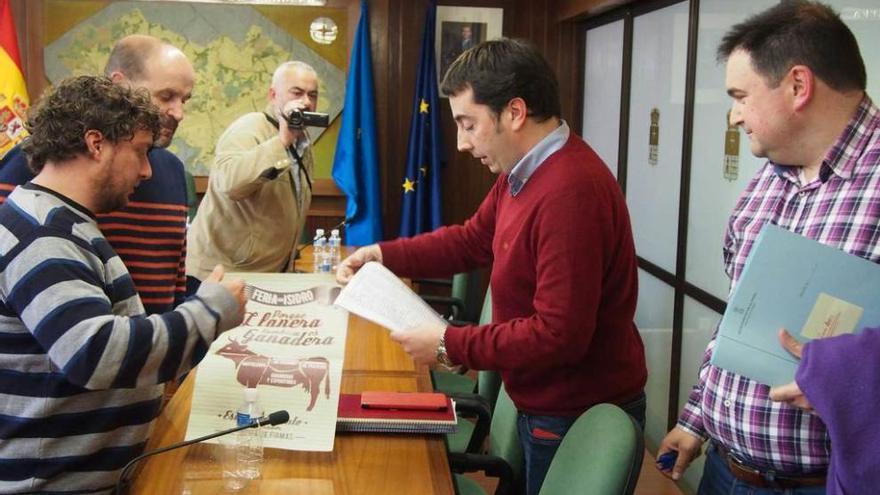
421 210
356 164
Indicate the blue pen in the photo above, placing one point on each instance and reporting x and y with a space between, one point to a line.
667 460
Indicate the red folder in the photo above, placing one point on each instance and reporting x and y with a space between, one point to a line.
424 401
354 417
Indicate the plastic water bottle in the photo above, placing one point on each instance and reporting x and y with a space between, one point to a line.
250 441
326 258
318 249
335 245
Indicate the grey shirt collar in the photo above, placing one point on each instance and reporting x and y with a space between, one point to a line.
536 156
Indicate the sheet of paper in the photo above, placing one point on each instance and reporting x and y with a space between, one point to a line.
378 295
831 316
291 347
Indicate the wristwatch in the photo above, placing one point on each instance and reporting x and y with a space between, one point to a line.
442 357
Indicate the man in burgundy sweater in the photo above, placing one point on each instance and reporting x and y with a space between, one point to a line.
556 231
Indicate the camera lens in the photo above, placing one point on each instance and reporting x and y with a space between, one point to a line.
298 119
295 119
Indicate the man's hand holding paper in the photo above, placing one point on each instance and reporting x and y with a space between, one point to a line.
421 342
350 265
374 293
378 295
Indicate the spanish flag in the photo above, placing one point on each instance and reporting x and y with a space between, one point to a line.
13 92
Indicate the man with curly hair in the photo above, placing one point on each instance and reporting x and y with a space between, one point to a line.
81 364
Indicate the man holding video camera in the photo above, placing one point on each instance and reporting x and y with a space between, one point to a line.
260 186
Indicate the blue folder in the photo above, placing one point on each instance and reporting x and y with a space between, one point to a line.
792 282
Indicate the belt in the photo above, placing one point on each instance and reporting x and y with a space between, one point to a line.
765 479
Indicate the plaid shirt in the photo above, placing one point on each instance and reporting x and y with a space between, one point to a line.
840 208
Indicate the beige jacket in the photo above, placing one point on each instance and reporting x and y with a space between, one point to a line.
248 221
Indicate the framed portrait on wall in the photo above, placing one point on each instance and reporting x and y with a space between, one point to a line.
459 28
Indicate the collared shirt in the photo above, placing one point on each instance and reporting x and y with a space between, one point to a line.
539 153
840 208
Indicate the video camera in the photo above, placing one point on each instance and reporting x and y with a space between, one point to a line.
297 119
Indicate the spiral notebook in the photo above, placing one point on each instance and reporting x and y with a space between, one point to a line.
352 416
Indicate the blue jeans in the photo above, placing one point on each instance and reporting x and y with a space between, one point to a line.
718 480
540 437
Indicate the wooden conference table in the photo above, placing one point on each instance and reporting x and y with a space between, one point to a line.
360 463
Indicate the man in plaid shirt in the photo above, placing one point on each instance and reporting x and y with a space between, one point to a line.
797 81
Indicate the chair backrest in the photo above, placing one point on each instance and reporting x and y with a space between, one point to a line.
466 288
460 285
600 455
488 382
486 310
504 438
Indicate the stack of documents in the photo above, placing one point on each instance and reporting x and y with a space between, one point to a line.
353 416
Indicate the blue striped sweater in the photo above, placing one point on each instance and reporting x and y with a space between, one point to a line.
80 363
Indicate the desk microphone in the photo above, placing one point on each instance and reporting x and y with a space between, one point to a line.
345 221
276 418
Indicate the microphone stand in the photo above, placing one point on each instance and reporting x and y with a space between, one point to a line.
275 418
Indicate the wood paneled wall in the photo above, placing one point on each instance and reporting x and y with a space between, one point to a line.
396 30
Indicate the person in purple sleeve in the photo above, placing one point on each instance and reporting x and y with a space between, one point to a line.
839 379
797 80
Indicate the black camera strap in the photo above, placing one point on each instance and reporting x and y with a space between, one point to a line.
292 150
302 167
272 120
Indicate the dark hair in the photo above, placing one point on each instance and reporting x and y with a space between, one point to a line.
799 33
499 70
59 121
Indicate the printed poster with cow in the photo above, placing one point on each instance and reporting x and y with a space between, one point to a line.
290 347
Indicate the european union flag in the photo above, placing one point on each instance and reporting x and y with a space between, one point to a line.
356 164
424 156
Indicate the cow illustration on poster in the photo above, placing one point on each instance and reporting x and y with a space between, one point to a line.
253 369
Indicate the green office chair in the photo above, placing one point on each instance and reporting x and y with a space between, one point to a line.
600 455
470 436
456 383
505 458
452 382
462 301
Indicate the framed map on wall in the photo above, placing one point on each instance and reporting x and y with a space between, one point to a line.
233 48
